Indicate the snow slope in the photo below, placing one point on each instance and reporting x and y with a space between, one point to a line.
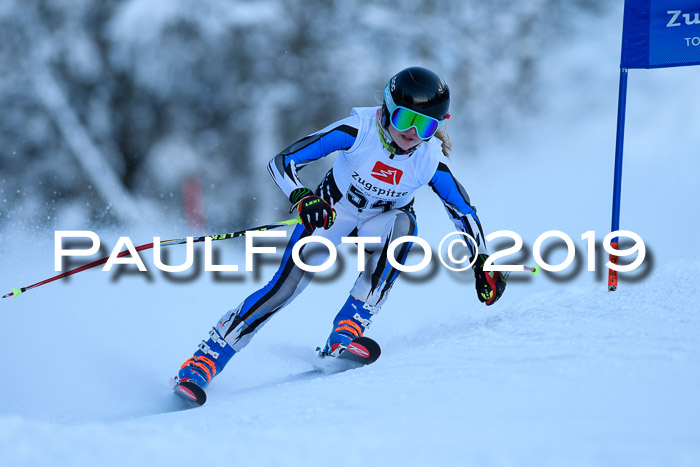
574 376
559 372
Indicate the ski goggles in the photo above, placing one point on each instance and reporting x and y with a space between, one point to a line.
404 119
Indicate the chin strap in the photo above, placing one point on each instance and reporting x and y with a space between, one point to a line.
389 143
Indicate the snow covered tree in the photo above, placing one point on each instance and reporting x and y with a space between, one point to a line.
109 106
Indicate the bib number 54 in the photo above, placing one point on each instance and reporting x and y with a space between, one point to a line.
359 200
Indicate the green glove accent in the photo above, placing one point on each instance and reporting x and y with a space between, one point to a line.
297 195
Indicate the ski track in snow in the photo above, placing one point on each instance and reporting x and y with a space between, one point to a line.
556 373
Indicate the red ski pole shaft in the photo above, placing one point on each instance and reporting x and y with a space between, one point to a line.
179 241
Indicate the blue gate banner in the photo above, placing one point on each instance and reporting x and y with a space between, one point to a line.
660 33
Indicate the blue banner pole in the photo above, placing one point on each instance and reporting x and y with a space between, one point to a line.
617 186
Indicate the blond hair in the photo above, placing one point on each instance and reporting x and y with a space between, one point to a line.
442 135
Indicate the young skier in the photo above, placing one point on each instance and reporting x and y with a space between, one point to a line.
384 155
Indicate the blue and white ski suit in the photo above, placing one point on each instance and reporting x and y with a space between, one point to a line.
372 192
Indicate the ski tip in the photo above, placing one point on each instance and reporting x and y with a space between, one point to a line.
190 392
358 349
362 350
365 348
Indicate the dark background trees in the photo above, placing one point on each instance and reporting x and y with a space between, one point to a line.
108 107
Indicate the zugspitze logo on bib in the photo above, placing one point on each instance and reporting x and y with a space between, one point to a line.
386 174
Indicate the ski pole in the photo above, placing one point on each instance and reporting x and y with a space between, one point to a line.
178 241
534 270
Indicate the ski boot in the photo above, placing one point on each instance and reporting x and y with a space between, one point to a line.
350 323
208 361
